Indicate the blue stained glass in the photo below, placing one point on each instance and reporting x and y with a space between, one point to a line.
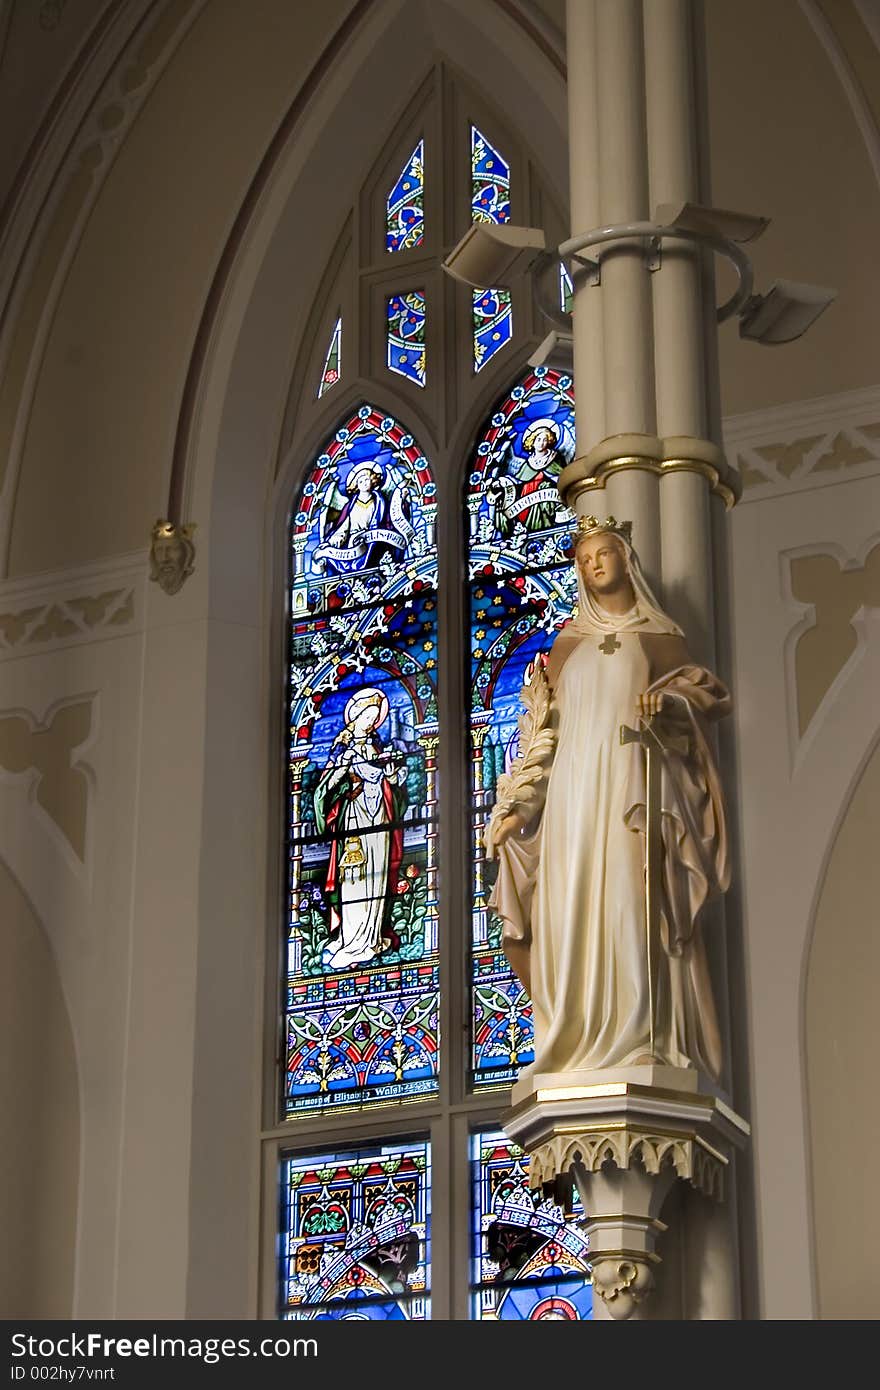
493 324
522 590
490 181
490 202
356 1236
362 976
405 206
529 1258
406 315
333 360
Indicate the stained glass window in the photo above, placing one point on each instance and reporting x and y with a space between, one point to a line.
522 589
362 963
529 1259
493 324
405 207
490 181
406 315
333 360
356 1235
490 202
566 289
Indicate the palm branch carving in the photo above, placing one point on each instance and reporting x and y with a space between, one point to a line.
522 790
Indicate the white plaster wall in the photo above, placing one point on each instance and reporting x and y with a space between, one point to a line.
793 790
840 1036
84 905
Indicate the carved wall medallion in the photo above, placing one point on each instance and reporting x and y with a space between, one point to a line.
172 555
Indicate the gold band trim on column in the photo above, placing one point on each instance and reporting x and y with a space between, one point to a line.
576 484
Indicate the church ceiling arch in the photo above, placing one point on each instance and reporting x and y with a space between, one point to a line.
527 33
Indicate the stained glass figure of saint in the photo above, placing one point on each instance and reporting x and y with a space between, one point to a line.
362 789
363 966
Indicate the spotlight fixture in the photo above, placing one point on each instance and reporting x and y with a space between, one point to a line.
718 222
785 312
489 256
556 350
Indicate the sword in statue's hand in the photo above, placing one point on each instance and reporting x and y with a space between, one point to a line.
656 741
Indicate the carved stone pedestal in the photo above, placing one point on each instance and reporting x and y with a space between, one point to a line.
626 1136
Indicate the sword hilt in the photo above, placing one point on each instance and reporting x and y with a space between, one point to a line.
650 735
628 735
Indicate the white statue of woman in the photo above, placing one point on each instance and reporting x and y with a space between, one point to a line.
569 830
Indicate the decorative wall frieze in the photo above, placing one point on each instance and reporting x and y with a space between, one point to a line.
806 445
87 604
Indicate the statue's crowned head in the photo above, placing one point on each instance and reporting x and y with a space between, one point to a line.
600 574
591 526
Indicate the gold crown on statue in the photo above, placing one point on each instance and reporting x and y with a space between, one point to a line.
592 526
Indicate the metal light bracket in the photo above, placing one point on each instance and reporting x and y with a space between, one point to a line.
651 235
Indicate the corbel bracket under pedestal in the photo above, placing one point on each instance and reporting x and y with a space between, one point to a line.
625 1142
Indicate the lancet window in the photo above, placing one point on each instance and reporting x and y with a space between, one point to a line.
401 1026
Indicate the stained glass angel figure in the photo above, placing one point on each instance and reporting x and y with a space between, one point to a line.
367 525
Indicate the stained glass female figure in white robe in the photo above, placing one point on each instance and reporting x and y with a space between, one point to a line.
360 799
570 822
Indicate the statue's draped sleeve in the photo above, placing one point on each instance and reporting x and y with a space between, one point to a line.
522 792
696 852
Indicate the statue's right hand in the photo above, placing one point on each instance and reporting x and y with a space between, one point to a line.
510 824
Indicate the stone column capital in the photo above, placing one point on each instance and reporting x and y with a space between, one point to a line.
649 454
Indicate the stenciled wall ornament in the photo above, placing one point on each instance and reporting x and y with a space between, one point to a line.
48 749
790 448
837 590
81 616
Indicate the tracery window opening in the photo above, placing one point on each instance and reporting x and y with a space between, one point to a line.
366 1075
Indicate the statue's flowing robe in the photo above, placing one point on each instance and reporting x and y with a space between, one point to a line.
573 888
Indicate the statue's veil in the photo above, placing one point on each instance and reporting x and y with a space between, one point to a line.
646 615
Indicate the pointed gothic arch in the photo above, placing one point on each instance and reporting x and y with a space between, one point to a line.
365 1054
